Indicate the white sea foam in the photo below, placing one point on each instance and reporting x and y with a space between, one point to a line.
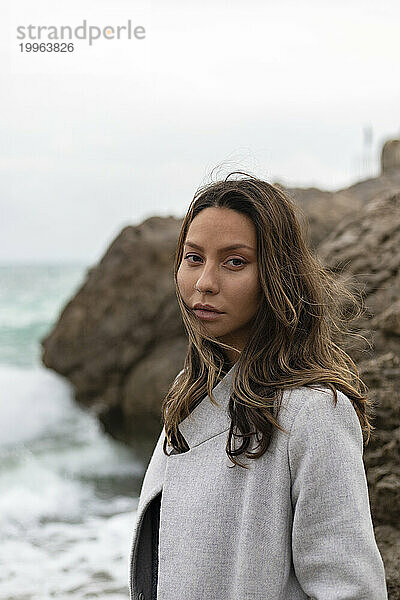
65 519
68 492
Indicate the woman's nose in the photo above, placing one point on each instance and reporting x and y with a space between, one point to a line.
207 282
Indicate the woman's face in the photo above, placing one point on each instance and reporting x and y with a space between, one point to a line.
225 278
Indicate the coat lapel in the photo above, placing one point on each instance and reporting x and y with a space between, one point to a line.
207 419
203 423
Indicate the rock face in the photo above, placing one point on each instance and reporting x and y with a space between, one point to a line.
120 340
325 210
368 247
390 158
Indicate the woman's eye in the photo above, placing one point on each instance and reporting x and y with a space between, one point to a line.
191 256
241 261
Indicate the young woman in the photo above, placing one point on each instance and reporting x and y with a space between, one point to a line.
256 489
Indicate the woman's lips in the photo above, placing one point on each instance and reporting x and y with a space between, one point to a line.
207 315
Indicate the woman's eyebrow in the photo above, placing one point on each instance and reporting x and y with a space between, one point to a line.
230 247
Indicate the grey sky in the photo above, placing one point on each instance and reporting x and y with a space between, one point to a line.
124 129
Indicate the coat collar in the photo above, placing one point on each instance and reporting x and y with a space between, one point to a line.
207 419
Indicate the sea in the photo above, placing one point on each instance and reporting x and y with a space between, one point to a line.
68 491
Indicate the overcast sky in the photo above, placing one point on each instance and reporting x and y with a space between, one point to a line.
115 132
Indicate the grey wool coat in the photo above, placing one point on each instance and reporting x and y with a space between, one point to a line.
295 525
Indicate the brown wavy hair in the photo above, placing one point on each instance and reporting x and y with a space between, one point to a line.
298 332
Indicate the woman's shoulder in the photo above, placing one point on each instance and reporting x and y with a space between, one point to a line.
315 407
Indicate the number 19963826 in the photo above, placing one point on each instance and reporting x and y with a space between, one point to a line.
46 47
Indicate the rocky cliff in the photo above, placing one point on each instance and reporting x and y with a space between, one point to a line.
367 247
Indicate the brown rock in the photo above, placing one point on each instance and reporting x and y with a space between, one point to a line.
366 247
123 328
389 320
323 210
390 157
